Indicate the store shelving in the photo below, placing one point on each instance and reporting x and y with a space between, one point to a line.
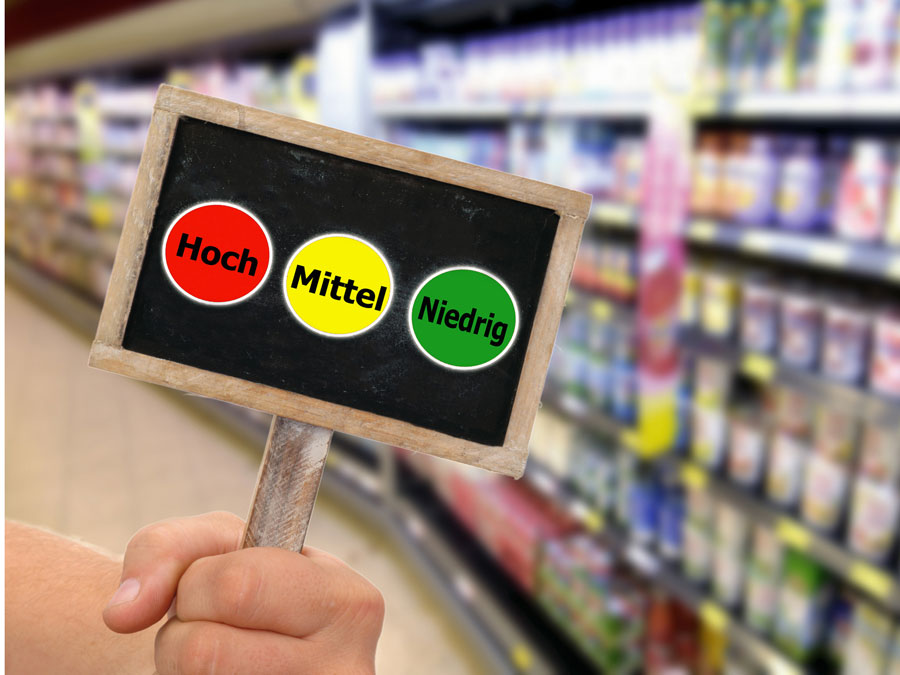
661 573
614 215
878 583
765 369
816 252
506 110
823 105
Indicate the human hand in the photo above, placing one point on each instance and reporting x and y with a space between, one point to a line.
255 610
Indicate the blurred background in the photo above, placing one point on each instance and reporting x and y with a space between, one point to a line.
744 152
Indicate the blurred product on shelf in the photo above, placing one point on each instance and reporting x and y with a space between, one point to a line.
830 185
73 152
786 45
610 55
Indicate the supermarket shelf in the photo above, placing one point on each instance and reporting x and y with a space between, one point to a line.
503 110
582 413
529 641
614 215
877 583
764 368
866 260
600 306
73 307
803 105
649 563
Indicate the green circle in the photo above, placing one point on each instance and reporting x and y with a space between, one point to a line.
463 318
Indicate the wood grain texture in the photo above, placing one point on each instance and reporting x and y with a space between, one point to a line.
138 221
286 488
107 352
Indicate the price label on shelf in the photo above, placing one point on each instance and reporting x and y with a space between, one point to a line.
522 657
713 615
693 476
758 242
702 230
871 579
793 534
893 268
830 253
758 367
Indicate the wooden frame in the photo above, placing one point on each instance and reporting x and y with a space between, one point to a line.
107 351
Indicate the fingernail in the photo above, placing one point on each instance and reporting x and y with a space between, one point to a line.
127 592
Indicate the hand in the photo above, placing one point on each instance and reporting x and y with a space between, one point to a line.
255 610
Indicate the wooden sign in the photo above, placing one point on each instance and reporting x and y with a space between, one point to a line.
339 281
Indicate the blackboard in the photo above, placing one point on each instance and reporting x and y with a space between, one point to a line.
301 182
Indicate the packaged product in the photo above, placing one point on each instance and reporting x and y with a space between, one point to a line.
825 492
800 619
732 528
767 552
719 303
884 370
793 410
836 48
879 457
760 599
709 427
626 468
732 186
646 502
747 446
755 195
834 433
623 383
866 650
873 518
690 297
801 328
787 464
671 523
837 150
707 174
712 382
598 380
759 313
862 202
698 551
892 229
701 508
893 666
801 178
845 341
728 575
873 33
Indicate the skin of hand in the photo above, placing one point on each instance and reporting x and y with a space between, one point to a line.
259 610
255 610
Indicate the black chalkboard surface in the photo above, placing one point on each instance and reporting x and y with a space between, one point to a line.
302 182
419 224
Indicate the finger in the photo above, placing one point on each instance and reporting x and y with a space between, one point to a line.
212 649
280 591
156 558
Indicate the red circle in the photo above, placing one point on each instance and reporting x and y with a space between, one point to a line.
224 253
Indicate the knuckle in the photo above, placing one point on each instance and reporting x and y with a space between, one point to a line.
237 587
155 536
198 652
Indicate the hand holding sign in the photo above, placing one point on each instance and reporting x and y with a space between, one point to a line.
339 281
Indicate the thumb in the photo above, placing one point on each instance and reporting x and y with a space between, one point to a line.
156 558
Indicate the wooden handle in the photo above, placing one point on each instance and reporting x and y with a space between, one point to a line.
288 481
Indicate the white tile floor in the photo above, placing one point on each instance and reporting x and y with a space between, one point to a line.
94 455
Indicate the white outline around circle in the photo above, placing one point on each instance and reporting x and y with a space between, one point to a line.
415 339
293 312
214 303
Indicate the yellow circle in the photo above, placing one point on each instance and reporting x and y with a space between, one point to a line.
338 285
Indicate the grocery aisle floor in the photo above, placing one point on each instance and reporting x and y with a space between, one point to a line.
96 456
